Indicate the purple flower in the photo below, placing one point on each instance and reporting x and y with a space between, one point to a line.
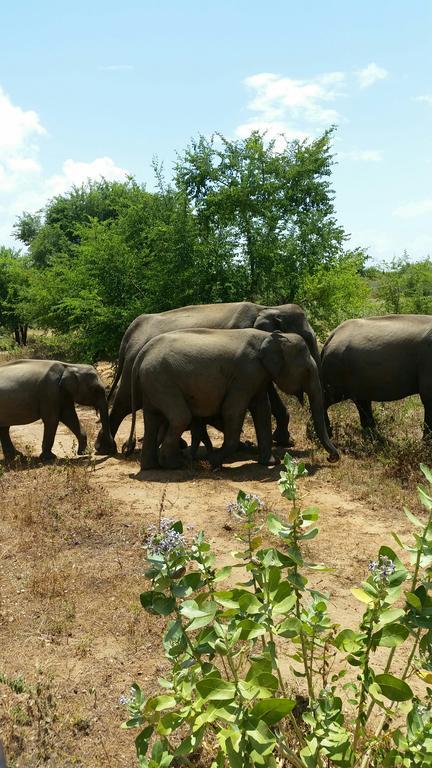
165 539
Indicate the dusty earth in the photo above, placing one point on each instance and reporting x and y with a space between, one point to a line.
71 571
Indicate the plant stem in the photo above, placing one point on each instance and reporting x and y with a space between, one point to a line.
365 677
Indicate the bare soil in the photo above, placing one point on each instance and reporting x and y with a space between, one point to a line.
72 563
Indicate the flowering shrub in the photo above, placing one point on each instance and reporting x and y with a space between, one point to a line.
226 701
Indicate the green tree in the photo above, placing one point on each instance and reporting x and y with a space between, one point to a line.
14 278
332 294
405 286
274 208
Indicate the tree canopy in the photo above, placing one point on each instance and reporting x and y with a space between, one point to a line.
241 220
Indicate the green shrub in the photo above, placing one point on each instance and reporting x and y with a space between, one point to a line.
226 701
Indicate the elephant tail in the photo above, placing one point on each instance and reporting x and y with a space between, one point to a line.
118 373
129 446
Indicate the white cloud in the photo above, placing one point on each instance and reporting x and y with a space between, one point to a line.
413 209
116 68
296 108
362 155
426 99
23 183
370 75
75 173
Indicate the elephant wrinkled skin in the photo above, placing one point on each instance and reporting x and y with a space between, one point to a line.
379 358
201 374
47 390
288 318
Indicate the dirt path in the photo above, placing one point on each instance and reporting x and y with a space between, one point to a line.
350 530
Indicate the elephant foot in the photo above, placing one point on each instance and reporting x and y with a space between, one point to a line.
128 447
283 438
13 458
172 463
246 445
105 447
48 457
269 461
183 444
82 447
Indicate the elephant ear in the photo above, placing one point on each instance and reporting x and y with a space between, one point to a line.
271 355
69 382
268 320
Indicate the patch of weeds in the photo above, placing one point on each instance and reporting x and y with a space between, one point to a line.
29 717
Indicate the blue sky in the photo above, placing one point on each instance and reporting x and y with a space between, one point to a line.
90 88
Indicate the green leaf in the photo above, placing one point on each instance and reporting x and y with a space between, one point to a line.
424 497
159 703
200 615
388 617
223 573
361 595
142 741
250 629
427 473
215 689
157 603
394 688
391 635
290 627
272 710
348 641
412 518
310 513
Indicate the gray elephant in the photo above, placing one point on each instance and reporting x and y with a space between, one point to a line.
379 358
287 318
199 374
47 390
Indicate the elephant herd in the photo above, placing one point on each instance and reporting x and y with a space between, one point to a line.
210 364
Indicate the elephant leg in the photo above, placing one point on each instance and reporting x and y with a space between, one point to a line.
68 417
233 416
261 415
153 423
199 435
281 435
50 429
427 405
9 451
367 420
170 455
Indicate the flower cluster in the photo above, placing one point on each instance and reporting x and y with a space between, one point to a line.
241 508
165 539
382 568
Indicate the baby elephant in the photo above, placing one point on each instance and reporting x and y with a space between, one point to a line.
199 374
47 390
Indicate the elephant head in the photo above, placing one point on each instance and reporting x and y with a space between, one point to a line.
84 386
290 365
289 318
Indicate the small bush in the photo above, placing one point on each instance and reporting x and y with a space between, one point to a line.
227 701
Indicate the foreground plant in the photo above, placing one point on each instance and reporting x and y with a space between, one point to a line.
228 700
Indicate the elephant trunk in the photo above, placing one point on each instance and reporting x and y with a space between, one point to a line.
314 393
105 442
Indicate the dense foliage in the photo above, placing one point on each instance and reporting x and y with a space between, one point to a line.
240 221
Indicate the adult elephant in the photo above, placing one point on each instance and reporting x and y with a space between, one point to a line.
48 390
288 318
184 375
379 358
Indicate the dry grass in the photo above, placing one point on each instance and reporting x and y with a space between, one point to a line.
69 572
